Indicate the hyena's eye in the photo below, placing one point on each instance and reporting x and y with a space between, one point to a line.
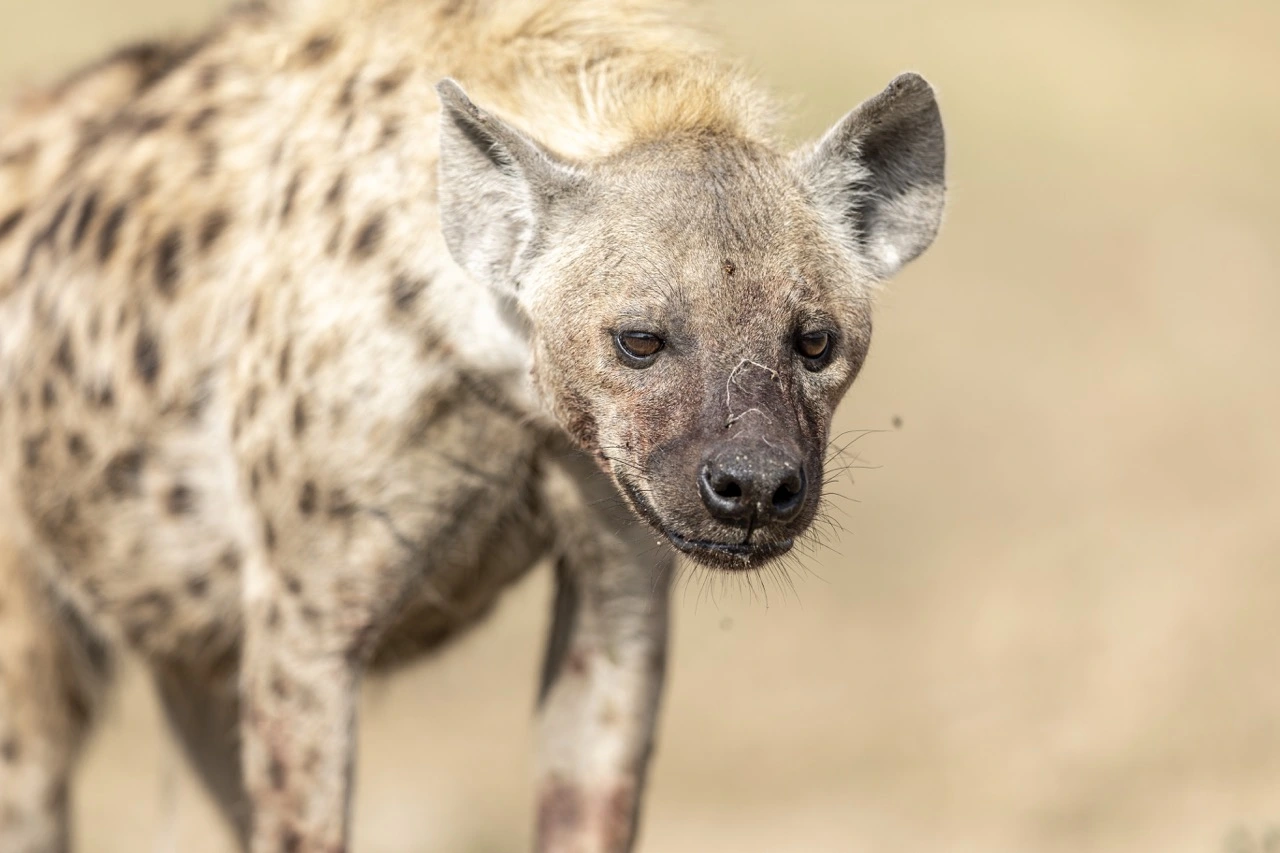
638 349
814 347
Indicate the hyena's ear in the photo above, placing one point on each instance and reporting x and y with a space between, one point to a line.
495 186
881 171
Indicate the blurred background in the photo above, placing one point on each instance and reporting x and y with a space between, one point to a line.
1052 621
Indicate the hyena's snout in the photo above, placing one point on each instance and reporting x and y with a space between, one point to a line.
753 483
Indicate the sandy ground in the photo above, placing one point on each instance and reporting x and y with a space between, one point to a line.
1051 621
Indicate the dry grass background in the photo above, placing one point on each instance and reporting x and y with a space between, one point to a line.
1053 620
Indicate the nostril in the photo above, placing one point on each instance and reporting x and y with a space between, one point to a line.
789 496
730 490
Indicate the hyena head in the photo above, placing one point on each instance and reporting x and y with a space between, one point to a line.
698 304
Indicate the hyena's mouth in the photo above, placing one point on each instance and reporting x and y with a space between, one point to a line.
727 555
735 556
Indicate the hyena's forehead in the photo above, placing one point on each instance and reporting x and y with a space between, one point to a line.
722 226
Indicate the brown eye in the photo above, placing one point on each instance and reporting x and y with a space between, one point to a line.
814 346
638 349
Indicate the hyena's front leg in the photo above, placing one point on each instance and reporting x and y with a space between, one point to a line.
298 715
602 680
313 602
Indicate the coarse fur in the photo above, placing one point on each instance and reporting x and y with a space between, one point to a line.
305 356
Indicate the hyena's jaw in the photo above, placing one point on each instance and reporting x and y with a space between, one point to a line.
747 550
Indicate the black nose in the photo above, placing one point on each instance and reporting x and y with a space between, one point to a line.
739 483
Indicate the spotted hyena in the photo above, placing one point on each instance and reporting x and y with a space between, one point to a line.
305 356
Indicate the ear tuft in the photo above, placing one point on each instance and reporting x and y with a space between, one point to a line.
882 171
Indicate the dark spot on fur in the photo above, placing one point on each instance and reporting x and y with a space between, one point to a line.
229 560
388 83
310 614
290 841
11 221
369 236
269 462
279 686
318 47
105 397
390 130
336 190
211 228
88 209
254 310
123 474
255 480
153 61
109 236
200 120
65 357
59 796
78 448
299 417
166 268
340 505
55 224
48 396
405 290
10 750
146 356
307 498
346 96
197 586
45 237
293 585
181 500
273 616
149 123
269 535
277 773
251 402
290 194
208 77
282 367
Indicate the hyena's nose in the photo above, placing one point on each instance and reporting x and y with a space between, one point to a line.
743 484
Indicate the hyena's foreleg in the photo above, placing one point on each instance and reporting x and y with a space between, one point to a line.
602 680
299 680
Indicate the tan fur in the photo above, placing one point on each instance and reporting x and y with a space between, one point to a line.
258 425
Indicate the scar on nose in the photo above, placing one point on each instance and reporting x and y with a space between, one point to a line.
733 380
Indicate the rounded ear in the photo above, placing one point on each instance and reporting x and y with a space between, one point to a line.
882 172
495 185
